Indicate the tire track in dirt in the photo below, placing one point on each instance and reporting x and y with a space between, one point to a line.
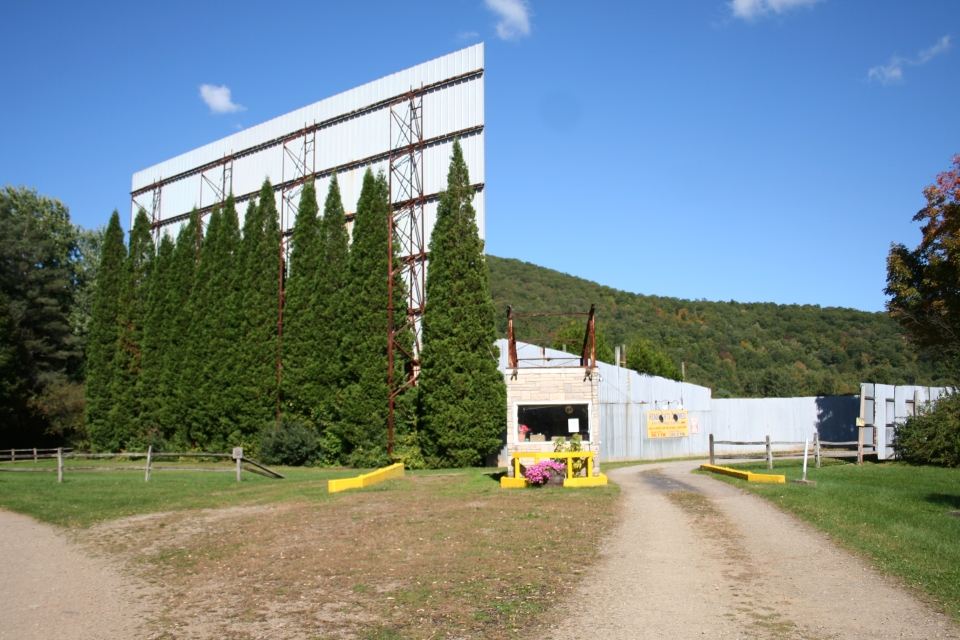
695 557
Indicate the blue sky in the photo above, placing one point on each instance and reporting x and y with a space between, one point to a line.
755 150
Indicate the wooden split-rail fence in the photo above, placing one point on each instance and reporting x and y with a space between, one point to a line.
821 448
35 454
62 455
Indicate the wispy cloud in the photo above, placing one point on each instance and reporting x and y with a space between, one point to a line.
753 9
514 17
218 99
467 35
892 72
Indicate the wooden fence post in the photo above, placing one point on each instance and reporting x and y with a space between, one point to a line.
711 449
34 454
13 455
238 456
769 454
816 447
149 457
59 464
859 445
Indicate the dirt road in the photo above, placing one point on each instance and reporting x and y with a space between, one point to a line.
52 590
695 557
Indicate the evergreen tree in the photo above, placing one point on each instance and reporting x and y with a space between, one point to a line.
327 302
257 357
362 424
462 395
156 345
104 329
125 380
211 408
227 308
300 322
179 395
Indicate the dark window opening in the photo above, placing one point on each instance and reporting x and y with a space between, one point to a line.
554 421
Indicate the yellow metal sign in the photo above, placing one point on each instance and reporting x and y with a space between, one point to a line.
667 424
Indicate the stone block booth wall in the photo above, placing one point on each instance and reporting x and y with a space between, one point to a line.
554 401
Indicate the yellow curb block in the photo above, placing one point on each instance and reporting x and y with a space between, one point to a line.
520 483
367 479
745 475
593 481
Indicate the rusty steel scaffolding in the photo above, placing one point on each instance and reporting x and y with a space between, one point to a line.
408 232
588 349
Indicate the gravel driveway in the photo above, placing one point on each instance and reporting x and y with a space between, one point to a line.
52 590
695 557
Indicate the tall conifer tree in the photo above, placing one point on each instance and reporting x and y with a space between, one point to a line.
299 316
327 302
179 397
220 386
462 395
125 382
156 344
200 362
260 251
362 424
102 340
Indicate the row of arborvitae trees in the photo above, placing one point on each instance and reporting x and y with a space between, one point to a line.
184 336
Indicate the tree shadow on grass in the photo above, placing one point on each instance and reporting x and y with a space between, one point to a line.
944 499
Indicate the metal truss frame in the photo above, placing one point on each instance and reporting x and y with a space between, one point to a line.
408 240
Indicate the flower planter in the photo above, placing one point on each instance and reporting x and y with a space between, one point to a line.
556 480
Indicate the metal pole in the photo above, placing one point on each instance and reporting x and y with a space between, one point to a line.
805 443
59 464
149 456
711 450
769 454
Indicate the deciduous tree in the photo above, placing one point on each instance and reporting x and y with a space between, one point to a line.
923 283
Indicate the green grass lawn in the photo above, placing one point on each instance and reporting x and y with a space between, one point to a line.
893 513
87 497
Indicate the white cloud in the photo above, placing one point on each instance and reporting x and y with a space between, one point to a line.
514 17
467 35
892 72
942 46
751 9
218 99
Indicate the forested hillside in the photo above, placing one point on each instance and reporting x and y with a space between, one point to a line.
737 349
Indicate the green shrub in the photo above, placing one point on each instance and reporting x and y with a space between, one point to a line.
933 436
289 443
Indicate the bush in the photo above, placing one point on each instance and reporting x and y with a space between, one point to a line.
933 436
289 443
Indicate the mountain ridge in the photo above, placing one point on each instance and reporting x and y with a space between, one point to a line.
738 349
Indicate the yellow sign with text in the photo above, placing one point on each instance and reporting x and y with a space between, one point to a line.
667 424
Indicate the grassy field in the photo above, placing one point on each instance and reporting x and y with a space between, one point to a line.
434 554
892 513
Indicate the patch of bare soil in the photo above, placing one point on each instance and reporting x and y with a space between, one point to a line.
694 557
415 558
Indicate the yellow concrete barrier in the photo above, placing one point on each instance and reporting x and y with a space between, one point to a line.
367 479
591 481
745 475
